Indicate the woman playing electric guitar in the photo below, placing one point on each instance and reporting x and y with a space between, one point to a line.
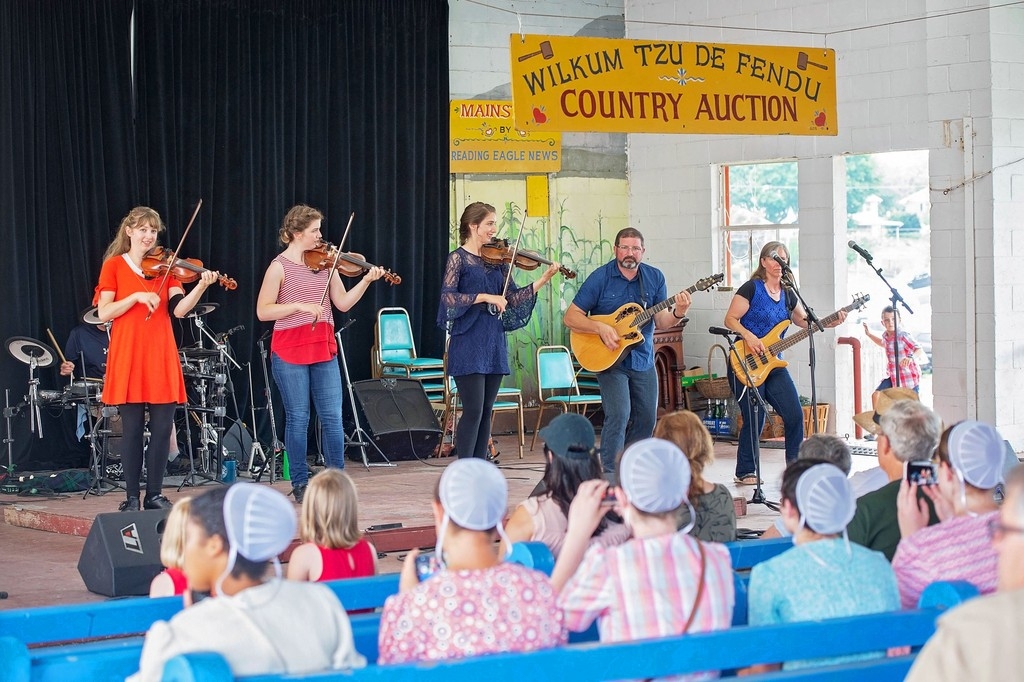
761 303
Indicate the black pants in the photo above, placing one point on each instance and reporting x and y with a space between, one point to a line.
476 394
133 422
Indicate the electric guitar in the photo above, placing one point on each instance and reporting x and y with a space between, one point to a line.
760 366
590 350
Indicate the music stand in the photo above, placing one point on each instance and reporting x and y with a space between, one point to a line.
276 447
359 438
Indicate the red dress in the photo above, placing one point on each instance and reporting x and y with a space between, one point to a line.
355 562
142 362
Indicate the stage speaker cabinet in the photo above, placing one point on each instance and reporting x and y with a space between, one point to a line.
398 416
121 555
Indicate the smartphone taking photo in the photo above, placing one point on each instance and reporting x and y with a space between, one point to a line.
426 565
921 472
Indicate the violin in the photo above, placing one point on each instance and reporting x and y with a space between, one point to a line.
157 263
349 264
498 251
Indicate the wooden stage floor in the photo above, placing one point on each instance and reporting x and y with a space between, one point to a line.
41 538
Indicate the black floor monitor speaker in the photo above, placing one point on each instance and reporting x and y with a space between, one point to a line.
121 555
398 416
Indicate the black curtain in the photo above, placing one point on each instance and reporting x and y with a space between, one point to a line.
250 105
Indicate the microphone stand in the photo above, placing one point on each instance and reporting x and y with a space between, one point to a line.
812 359
756 404
359 438
894 298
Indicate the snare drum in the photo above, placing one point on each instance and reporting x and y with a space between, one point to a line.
50 397
84 389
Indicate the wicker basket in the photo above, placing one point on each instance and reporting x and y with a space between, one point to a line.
717 388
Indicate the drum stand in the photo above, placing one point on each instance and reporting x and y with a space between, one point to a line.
9 412
208 434
359 437
100 484
276 447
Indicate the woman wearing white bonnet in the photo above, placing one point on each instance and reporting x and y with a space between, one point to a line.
626 587
970 460
824 575
233 536
474 603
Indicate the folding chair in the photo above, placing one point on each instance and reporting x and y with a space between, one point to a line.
509 399
557 385
394 352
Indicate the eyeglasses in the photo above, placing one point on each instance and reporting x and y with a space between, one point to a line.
997 529
630 249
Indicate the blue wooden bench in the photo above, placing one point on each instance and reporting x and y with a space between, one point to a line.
725 650
128 619
133 616
114 659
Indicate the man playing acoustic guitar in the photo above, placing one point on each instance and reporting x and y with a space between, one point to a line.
629 387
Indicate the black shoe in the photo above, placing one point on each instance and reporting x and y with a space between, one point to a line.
299 492
131 504
157 502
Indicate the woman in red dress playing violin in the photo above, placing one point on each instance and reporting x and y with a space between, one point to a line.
303 350
143 369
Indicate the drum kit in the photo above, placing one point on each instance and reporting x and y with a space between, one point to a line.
205 368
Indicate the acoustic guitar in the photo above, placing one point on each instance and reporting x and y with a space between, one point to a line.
760 366
590 350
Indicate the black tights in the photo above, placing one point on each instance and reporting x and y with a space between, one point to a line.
476 394
133 421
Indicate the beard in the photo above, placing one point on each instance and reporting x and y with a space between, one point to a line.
629 263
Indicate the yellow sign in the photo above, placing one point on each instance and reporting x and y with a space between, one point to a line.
568 83
485 140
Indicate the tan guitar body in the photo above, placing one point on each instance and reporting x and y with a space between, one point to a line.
759 366
591 352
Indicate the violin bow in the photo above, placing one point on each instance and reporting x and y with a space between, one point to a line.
174 254
512 262
337 257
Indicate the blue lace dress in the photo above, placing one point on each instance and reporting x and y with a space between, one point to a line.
477 344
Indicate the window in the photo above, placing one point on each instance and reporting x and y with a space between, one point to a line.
759 203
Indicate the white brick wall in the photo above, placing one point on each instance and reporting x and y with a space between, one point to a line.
908 85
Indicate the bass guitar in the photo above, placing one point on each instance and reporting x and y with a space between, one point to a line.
590 350
760 366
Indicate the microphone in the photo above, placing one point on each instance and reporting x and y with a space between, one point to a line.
774 255
224 336
860 249
721 331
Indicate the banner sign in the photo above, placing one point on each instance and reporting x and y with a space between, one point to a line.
484 139
568 83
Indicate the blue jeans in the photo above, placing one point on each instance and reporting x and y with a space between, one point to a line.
629 399
780 392
296 382
887 383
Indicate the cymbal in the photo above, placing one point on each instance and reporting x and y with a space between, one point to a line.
24 349
203 309
92 315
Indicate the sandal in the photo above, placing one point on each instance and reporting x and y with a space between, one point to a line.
749 479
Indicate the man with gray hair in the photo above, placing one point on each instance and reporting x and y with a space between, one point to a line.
980 640
908 431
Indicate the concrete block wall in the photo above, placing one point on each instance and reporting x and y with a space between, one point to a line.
916 84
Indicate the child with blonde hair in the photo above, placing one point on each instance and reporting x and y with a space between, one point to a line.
172 582
333 547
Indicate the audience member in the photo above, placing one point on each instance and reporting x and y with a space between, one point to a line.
970 467
661 583
820 447
272 627
715 512
474 603
172 581
872 479
823 575
332 546
909 431
571 459
980 640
